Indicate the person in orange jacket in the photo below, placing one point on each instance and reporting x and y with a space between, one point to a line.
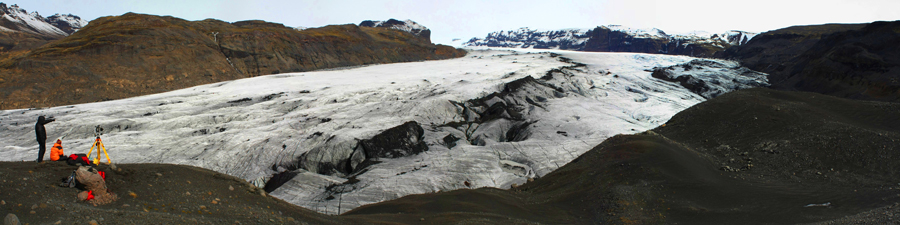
56 152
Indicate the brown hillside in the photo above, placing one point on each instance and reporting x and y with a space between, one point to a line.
134 54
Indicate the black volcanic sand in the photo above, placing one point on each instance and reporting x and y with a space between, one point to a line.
754 156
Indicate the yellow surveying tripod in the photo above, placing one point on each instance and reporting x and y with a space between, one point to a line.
99 145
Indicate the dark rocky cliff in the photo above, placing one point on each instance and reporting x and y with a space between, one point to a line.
134 54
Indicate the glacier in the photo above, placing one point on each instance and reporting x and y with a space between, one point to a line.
494 118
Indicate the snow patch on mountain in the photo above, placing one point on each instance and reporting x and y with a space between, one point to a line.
494 118
67 22
58 25
406 25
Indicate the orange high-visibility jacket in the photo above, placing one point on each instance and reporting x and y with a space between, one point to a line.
56 151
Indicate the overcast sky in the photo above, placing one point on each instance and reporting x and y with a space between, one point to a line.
464 19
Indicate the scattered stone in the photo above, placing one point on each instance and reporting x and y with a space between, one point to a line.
187 193
58 222
215 202
126 205
2 202
42 205
35 206
93 222
230 188
112 166
202 207
158 174
11 219
133 195
33 212
729 169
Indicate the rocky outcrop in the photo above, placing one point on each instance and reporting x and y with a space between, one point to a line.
711 78
615 38
343 157
134 54
407 25
398 141
844 60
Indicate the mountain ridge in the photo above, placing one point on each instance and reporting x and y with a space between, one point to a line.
616 38
136 54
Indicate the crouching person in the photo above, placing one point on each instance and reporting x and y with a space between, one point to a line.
95 183
56 152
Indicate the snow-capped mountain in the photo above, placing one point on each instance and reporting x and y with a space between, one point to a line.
406 25
334 140
615 38
15 19
67 22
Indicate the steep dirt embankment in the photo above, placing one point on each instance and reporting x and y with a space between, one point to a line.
133 54
846 60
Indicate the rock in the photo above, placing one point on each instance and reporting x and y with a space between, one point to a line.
2 202
450 141
11 219
403 140
35 206
112 166
230 188
32 212
214 202
94 183
93 222
202 207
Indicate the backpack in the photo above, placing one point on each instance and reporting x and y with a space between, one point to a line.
76 159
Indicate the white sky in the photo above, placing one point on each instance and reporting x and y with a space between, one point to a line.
465 19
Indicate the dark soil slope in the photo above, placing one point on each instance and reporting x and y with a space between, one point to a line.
148 194
133 54
858 61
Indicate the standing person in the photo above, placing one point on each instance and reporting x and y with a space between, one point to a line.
41 136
